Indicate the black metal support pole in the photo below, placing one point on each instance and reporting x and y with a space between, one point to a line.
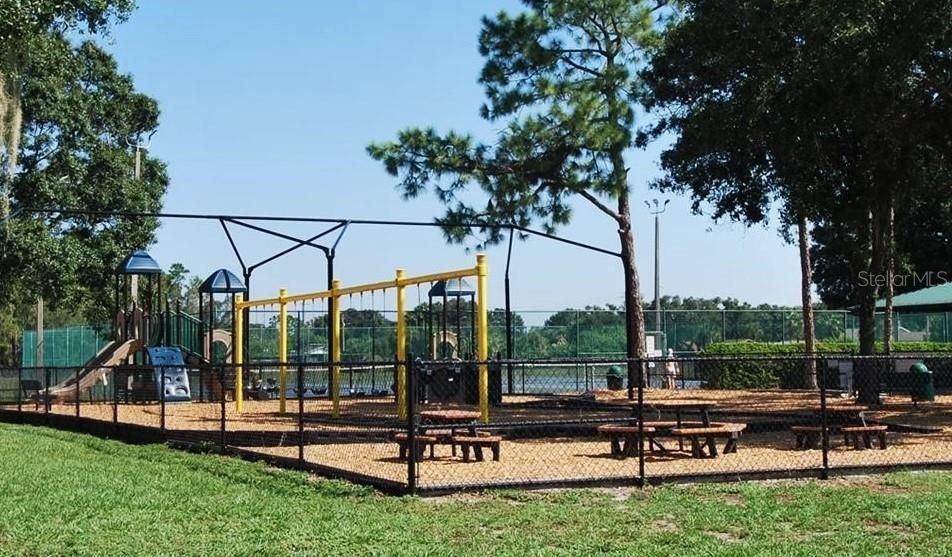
824 433
641 424
411 426
76 376
116 334
509 343
245 324
443 325
331 337
300 385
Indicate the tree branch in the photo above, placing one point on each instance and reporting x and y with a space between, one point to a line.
597 203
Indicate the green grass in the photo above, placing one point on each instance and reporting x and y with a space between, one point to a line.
67 494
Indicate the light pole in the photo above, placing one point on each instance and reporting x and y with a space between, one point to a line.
656 207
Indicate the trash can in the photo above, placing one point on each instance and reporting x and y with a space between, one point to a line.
923 384
614 379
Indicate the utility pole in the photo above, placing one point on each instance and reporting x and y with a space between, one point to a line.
139 147
656 207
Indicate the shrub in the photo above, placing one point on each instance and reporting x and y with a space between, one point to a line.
723 373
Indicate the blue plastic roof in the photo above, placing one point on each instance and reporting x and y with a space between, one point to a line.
139 262
222 281
452 287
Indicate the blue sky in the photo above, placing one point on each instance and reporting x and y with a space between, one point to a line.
268 112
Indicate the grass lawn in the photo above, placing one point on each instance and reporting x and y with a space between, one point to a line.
68 494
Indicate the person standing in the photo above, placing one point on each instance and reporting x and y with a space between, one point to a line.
672 369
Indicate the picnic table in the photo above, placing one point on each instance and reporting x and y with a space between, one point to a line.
679 406
705 431
848 419
465 420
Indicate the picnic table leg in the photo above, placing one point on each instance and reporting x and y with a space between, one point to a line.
711 447
630 445
696 451
677 419
705 417
731 445
616 447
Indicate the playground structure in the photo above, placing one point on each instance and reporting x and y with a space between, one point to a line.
333 298
149 348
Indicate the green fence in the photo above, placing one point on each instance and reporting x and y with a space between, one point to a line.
64 347
536 334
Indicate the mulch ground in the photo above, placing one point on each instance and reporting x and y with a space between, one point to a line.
554 457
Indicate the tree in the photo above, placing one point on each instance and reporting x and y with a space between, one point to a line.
718 98
838 110
24 27
78 114
923 246
562 78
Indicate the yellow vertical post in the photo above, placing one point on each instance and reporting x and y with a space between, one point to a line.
401 348
237 350
336 348
282 347
482 275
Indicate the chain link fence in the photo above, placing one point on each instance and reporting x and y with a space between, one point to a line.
523 422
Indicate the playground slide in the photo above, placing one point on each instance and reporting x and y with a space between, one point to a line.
218 336
101 364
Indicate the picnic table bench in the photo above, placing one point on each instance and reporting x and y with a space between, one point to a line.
623 438
702 437
477 443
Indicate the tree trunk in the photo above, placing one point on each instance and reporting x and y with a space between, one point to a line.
635 323
806 281
890 271
867 373
867 290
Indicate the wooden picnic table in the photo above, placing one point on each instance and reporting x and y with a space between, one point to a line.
842 414
679 406
453 418
449 416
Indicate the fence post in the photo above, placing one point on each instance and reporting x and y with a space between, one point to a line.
221 382
641 422
115 399
300 389
411 425
824 432
20 389
161 373
46 396
76 381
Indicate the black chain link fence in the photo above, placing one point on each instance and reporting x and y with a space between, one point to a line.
504 423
